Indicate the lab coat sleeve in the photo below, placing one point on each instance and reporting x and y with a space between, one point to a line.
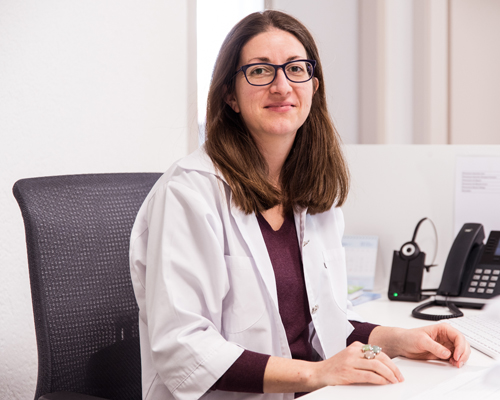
186 282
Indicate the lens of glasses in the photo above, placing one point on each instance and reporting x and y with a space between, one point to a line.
263 74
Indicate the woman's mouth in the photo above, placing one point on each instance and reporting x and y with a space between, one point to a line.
280 107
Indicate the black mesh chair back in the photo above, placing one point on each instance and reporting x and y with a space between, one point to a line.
86 316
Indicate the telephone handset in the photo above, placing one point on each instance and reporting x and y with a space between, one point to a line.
464 251
471 275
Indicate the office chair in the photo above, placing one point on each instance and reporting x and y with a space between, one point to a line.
86 316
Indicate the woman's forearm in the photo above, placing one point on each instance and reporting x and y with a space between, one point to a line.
284 375
346 367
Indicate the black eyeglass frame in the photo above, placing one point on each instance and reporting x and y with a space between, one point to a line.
276 67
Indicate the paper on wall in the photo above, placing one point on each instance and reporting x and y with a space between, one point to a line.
477 192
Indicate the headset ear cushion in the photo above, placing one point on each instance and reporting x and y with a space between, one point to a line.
409 251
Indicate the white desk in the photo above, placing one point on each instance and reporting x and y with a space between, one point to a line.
419 375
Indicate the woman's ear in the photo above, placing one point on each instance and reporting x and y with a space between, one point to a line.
231 100
315 84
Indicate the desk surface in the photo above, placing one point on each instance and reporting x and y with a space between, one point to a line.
419 375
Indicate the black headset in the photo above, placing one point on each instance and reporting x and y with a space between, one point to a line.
410 250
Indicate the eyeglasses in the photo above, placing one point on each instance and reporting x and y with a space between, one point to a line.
262 74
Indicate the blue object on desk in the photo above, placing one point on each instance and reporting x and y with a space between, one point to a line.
366 296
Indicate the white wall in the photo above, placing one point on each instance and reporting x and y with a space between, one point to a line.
85 86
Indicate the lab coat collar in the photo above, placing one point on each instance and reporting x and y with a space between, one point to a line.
300 225
200 161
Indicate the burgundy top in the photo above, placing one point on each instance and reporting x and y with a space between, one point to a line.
247 372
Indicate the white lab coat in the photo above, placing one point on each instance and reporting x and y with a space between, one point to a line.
206 289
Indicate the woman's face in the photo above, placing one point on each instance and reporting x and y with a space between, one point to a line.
277 110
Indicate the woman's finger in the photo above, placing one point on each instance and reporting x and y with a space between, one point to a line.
392 366
460 359
462 349
366 376
435 348
383 366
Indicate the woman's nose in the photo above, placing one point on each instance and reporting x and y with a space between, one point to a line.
280 84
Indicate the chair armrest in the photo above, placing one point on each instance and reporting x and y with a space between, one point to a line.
68 396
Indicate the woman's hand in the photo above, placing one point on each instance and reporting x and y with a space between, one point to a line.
432 342
346 367
349 366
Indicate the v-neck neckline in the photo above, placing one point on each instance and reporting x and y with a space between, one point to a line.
268 225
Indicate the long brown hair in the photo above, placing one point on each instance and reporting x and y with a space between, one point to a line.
314 175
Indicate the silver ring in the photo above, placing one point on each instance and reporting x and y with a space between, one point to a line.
370 352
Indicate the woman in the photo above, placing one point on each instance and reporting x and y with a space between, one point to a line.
236 254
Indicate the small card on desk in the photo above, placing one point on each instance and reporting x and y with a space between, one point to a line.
361 259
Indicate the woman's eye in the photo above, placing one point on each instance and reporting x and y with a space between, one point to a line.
295 69
260 70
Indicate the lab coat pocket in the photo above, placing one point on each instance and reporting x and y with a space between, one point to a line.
334 260
244 304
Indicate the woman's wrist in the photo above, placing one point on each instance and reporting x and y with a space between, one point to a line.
388 338
315 381
284 375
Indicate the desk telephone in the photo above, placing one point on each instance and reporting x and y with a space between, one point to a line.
471 275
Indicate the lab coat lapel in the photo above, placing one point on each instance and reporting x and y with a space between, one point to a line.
252 235
300 225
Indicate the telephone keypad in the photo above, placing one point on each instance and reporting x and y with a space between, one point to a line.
484 281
